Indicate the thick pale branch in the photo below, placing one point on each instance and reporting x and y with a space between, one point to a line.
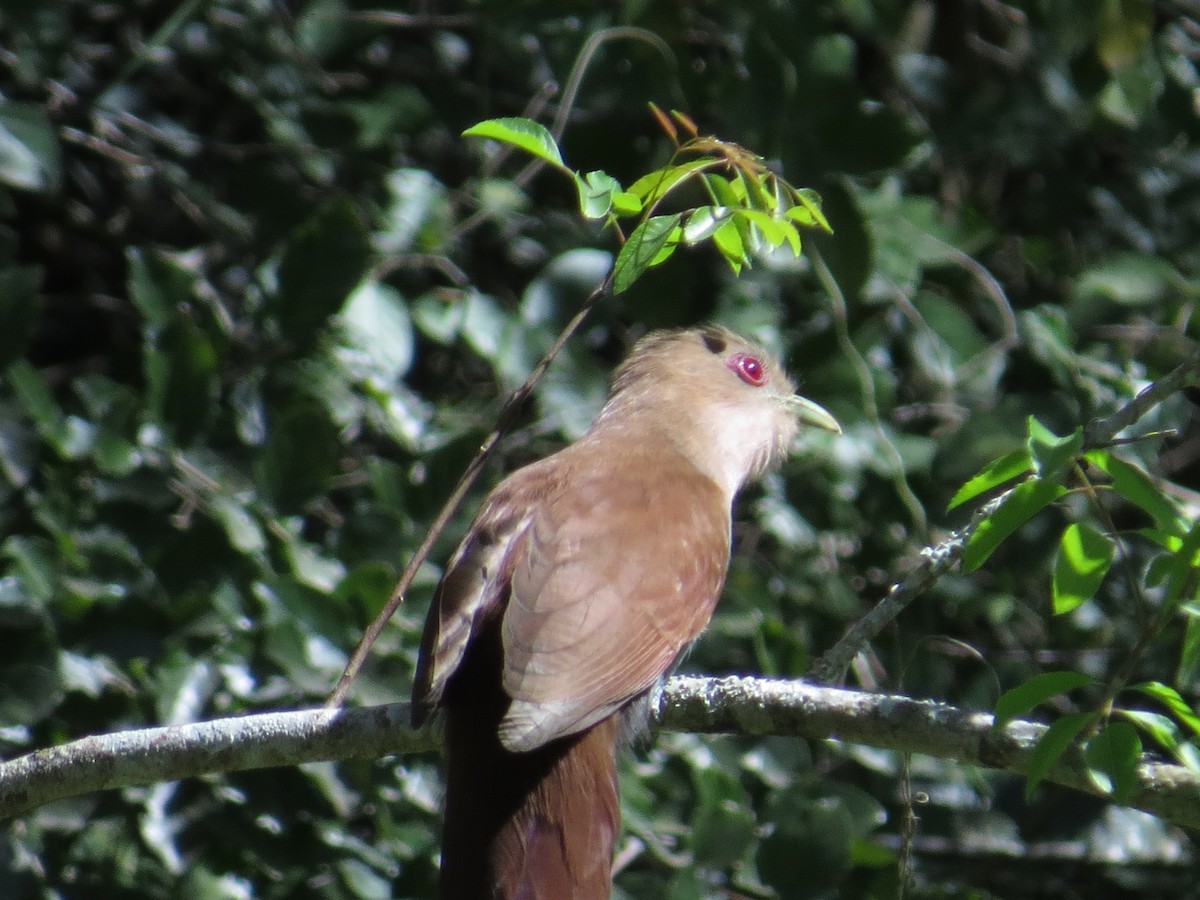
736 705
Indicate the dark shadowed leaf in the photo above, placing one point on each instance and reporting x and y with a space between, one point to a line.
1021 699
322 262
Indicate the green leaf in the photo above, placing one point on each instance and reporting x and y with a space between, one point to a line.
30 157
596 193
643 249
182 373
1161 728
994 474
242 529
33 392
728 240
1037 690
758 198
807 210
1052 745
1112 757
774 231
1171 699
1084 555
657 184
626 204
1136 486
1182 565
727 193
1025 501
526 134
1049 452
702 222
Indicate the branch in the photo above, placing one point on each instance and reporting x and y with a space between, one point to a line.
726 705
941 557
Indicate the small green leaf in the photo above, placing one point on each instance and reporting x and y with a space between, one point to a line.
1037 690
30 156
757 196
525 134
1084 555
807 210
774 231
1161 728
643 250
702 222
626 204
995 473
1135 486
1049 452
596 193
728 240
1026 500
1171 699
1052 745
657 184
33 392
1112 757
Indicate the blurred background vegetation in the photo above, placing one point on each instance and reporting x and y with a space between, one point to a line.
259 304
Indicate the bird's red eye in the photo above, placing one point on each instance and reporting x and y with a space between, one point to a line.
749 368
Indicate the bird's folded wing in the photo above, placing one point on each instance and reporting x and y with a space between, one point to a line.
618 573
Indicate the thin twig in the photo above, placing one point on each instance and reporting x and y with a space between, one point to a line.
503 423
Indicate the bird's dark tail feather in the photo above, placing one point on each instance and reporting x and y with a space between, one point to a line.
528 826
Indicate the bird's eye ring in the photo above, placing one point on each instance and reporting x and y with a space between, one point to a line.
749 368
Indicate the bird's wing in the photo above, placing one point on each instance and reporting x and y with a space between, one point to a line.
618 573
474 583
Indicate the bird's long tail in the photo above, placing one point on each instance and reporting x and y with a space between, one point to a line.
528 826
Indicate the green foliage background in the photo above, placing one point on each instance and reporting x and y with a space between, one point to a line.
259 303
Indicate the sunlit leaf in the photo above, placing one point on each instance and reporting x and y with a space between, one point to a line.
1049 452
1136 486
655 185
728 240
1173 701
596 193
775 231
1006 468
1026 500
642 250
1084 555
532 137
807 210
1162 729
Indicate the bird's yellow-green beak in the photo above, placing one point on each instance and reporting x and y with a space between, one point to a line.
813 414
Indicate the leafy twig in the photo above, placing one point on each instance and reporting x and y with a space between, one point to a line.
941 557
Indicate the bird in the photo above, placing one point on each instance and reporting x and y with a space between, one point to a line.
581 581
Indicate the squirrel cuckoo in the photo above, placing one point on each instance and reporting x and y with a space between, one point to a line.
580 583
